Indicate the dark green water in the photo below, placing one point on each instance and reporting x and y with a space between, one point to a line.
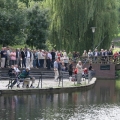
100 103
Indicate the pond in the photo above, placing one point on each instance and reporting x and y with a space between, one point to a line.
100 103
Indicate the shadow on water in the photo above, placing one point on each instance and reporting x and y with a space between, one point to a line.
101 103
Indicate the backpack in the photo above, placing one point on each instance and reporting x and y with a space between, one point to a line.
75 71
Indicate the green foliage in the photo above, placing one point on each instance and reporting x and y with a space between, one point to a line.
49 45
27 2
21 22
71 21
26 22
37 27
11 22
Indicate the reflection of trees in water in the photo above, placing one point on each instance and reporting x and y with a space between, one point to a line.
104 91
104 94
43 106
55 105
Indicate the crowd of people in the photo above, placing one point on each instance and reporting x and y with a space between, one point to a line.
26 57
59 60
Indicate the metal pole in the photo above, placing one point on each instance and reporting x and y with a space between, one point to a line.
41 79
62 79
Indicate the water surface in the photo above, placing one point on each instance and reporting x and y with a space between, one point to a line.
99 103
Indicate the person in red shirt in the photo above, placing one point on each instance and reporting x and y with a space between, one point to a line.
85 70
115 55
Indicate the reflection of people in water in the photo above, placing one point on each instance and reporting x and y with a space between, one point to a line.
50 97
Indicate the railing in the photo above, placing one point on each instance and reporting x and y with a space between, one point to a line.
40 80
60 79
11 79
100 59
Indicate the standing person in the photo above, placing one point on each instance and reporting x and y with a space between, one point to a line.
106 56
66 61
28 57
90 70
64 53
110 55
90 55
13 57
53 58
3 56
39 58
102 55
8 56
45 57
59 69
58 55
70 70
85 53
56 69
5 49
42 58
35 59
49 58
31 60
95 55
79 72
23 58
18 57
115 55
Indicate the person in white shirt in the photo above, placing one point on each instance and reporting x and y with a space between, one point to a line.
90 56
95 54
31 60
66 61
64 53
16 69
28 57
56 69
49 58
79 72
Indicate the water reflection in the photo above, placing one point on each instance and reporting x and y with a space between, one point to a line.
99 103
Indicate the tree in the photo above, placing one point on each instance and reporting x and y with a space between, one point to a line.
37 27
71 21
11 22
27 2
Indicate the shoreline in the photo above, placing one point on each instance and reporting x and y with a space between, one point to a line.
67 87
